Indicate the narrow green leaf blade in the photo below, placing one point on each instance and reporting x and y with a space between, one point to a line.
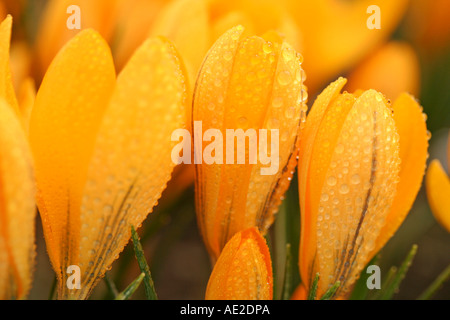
435 285
393 287
150 292
129 291
313 291
331 292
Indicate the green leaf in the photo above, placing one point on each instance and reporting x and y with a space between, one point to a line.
392 287
331 292
313 290
386 283
128 292
112 290
150 292
288 287
435 285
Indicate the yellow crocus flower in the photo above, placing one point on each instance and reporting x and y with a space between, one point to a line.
102 149
361 168
247 83
438 191
243 270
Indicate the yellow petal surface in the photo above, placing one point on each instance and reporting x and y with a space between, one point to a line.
246 83
132 26
438 191
17 208
64 122
392 69
6 84
26 97
53 32
308 137
186 23
243 270
412 129
342 37
132 160
350 187
257 16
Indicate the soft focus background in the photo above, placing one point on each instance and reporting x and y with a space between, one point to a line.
411 52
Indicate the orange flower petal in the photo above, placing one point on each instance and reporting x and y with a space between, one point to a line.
412 129
243 270
438 191
64 123
26 97
6 85
132 162
392 69
17 208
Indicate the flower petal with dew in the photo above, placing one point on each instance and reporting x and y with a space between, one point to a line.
348 177
132 160
438 192
392 69
410 122
243 270
95 143
68 109
17 208
247 83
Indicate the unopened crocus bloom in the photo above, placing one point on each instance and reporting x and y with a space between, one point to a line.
102 150
17 191
392 69
438 191
247 83
243 270
361 167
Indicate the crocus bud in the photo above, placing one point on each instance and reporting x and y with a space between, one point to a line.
358 177
243 270
250 89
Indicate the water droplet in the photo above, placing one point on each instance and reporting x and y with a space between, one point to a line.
356 179
344 189
277 102
339 149
267 48
211 106
331 181
324 197
228 55
284 78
